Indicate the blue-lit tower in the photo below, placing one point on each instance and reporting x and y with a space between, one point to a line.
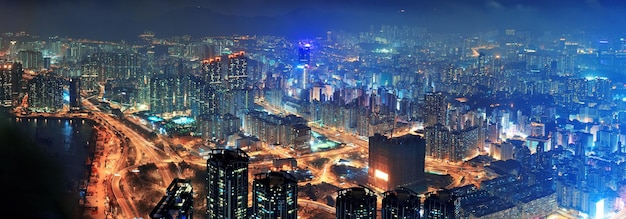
304 60
304 53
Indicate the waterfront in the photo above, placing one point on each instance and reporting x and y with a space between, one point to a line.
66 144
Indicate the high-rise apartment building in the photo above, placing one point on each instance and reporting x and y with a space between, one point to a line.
356 203
439 205
227 184
212 70
401 203
237 74
275 195
437 138
435 109
10 86
112 65
45 93
31 59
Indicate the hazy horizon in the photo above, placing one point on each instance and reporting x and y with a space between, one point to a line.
123 20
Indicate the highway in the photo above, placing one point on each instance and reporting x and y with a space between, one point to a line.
318 205
145 151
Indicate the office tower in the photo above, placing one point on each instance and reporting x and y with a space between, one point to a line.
31 59
396 161
356 203
227 184
401 203
435 109
302 65
275 195
74 93
177 202
304 53
439 205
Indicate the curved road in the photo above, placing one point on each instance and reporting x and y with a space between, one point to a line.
144 149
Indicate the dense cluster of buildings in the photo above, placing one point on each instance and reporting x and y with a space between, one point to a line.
274 193
548 109
288 131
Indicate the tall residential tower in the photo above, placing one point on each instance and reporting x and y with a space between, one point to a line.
356 202
275 196
227 184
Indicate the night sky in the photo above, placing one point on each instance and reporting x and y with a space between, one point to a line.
125 19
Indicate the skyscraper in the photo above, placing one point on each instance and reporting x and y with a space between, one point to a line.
10 83
435 109
275 196
74 93
212 70
45 93
439 205
396 161
31 59
16 78
356 203
304 53
237 71
177 202
6 85
437 141
401 203
227 184
304 59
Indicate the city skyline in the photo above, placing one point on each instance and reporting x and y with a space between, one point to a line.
478 115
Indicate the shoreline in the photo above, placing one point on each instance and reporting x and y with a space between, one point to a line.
80 188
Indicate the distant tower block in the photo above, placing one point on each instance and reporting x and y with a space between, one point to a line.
304 53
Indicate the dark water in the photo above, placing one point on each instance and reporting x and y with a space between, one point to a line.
68 142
